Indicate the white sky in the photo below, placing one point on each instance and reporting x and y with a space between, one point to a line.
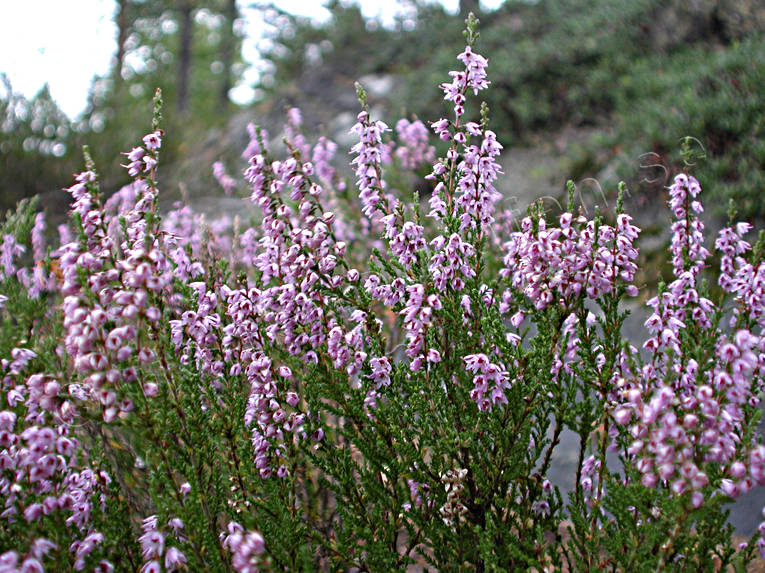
67 42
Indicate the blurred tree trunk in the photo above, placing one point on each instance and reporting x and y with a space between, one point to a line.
186 24
123 30
227 51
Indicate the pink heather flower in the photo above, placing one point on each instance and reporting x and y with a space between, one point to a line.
368 165
381 370
292 399
489 382
406 240
323 152
151 567
441 128
473 77
688 251
135 154
152 541
417 315
414 149
48 476
150 389
10 249
227 182
246 548
153 141
739 277
475 66
174 559
149 163
38 242
622 416
451 264
294 117
476 194
560 263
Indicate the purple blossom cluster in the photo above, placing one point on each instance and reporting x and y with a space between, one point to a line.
743 279
155 549
405 239
246 548
450 264
570 353
322 155
413 149
687 247
227 183
554 265
43 476
270 412
473 77
476 196
345 347
686 417
590 480
197 332
369 151
252 316
474 200
37 279
296 253
490 381
682 428
110 284
417 317
10 250
450 256
142 160
190 240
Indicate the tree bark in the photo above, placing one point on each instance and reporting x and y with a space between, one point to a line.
123 31
228 44
186 24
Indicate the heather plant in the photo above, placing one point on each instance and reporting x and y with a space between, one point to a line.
339 380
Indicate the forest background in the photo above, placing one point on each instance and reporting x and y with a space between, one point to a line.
609 87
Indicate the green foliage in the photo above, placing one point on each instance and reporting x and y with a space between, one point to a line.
36 145
152 60
709 93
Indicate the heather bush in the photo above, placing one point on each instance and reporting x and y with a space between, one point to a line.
344 378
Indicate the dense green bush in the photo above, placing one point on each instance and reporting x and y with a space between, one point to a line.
712 94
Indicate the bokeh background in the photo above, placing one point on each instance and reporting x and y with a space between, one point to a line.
591 90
